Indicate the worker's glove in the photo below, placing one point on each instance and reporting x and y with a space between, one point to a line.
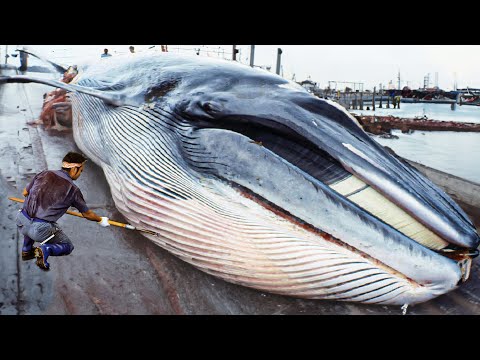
104 222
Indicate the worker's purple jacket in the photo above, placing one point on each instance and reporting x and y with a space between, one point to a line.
50 194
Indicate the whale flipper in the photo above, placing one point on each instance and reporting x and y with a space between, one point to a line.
109 98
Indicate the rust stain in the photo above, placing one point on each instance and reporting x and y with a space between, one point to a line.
71 309
166 281
101 305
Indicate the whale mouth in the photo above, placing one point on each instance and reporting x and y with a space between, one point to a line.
320 167
462 256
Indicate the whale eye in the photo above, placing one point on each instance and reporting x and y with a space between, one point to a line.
207 106
210 107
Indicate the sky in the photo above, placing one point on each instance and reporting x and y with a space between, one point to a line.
377 64
371 65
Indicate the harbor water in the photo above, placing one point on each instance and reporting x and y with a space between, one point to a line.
443 112
456 153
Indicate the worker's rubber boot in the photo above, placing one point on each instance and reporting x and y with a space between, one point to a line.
44 251
28 251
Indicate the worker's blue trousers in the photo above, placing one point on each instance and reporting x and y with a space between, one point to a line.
39 231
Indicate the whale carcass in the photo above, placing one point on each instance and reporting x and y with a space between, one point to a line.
250 178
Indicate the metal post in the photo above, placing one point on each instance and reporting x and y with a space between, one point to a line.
279 55
234 53
373 100
361 100
252 54
381 97
23 61
6 54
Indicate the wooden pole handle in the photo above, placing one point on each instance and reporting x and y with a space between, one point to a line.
111 222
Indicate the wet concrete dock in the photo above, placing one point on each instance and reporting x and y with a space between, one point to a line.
116 271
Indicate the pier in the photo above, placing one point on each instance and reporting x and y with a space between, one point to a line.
114 271
363 99
380 125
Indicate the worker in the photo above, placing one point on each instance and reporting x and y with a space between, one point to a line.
48 197
105 53
394 102
57 96
70 74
